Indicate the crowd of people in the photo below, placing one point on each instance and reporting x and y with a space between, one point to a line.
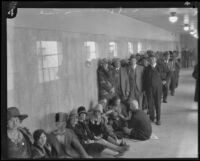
130 96
188 57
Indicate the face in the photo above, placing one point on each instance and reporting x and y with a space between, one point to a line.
98 114
117 64
167 57
14 123
117 102
105 66
133 62
82 116
74 121
42 139
152 60
60 124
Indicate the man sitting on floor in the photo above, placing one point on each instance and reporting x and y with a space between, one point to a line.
139 125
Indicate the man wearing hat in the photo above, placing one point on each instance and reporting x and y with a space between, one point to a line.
135 73
106 89
19 139
120 80
153 87
165 75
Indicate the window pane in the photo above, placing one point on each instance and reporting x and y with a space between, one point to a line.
50 61
113 48
90 48
130 47
50 47
139 47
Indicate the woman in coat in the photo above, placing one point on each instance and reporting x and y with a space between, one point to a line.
19 138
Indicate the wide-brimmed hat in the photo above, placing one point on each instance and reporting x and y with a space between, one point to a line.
81 110
61 117
73 114
14 112
98 108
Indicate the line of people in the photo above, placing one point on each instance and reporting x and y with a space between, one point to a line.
146 78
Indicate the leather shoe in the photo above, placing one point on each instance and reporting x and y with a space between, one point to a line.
158 123
164 101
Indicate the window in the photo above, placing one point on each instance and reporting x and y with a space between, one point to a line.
113 48
91 50
139 47
130 48
50 59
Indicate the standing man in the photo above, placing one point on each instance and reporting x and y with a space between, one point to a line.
135 73
165 76
120 80
172 67
153 87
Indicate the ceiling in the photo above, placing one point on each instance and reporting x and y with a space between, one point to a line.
159 17
155 16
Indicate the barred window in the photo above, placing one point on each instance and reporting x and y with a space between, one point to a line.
50 58
113 48
91 50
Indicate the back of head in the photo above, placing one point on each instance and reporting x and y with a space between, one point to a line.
134 105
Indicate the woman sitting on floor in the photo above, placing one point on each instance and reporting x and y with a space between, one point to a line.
41 149
19 139
68 141
98 128
77 123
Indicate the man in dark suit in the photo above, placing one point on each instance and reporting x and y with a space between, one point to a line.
120 80
135 73
153 87
165 76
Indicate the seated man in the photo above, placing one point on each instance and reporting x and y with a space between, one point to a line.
139 125
69 145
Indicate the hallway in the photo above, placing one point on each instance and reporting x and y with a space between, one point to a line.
178 133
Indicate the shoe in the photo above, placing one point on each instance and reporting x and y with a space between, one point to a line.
164 101
152 121
121 152
158 123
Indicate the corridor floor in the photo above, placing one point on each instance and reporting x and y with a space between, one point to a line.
178 132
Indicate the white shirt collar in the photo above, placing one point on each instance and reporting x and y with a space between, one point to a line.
154 65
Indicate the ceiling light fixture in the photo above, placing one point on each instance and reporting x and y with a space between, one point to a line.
173 18
186 27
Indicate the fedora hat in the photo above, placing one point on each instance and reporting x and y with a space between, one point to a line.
14 112
98 108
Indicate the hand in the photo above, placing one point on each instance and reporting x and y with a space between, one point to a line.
112 90
164 82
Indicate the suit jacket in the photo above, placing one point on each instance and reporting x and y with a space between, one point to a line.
124 82
166 73
152 77
138 76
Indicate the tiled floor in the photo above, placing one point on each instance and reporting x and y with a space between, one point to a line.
178 132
